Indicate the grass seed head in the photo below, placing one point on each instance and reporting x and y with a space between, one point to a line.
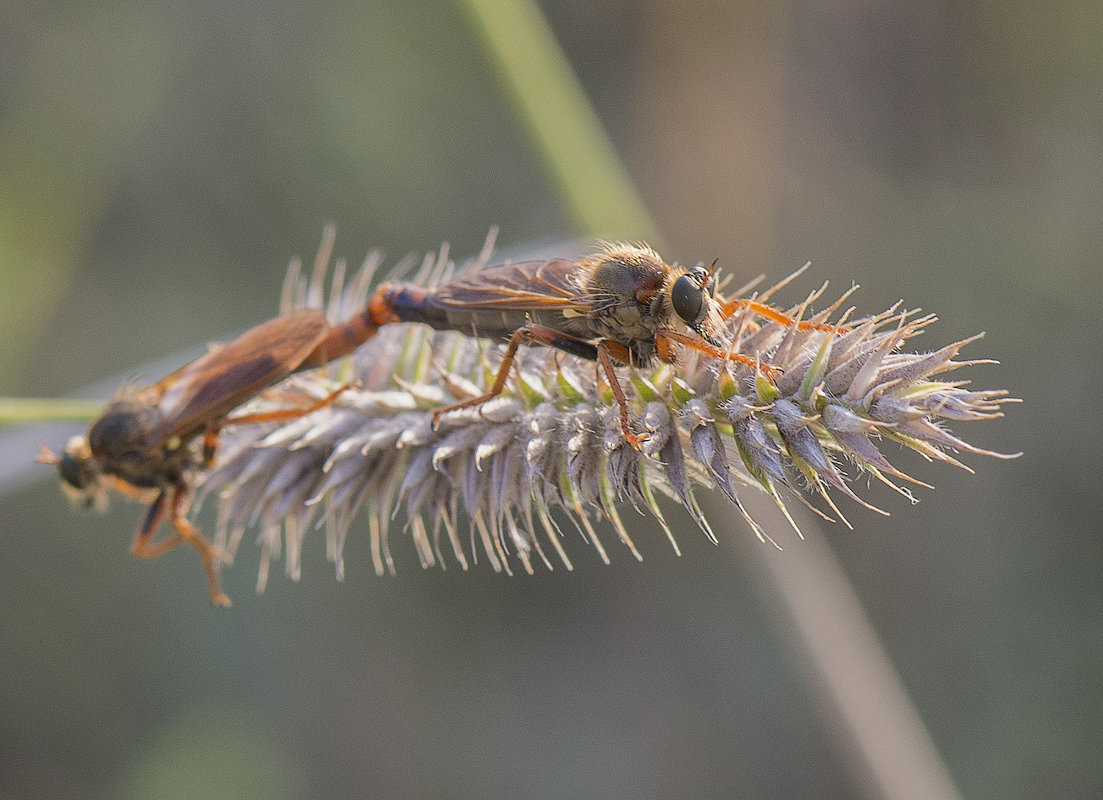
551 449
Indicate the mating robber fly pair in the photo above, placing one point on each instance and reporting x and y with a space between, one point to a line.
621 306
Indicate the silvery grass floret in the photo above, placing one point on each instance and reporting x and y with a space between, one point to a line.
505 479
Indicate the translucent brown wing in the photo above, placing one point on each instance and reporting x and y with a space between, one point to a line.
526 285
230 374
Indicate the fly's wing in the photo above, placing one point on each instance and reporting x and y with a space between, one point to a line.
230 374
524 286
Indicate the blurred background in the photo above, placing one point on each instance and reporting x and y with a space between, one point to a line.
159 165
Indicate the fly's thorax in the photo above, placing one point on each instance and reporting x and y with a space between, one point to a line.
122 429
120 443
628 289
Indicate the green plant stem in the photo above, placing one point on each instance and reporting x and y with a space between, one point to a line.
20 410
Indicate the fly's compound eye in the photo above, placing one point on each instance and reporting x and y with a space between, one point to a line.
73 471
687 294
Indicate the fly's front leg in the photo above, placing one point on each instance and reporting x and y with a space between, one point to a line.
770 313
183 531
664 337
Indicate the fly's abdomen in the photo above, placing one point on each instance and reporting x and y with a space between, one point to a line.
409 303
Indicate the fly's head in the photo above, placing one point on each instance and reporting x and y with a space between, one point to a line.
692 299
82 480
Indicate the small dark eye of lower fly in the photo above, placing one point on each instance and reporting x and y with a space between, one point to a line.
686 298
71 471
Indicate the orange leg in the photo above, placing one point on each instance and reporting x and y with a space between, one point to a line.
606 350
603 352
143 546
210 438
209 554
538 334
766 311
184 531
665 336
499 379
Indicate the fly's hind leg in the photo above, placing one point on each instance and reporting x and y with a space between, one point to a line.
210 436
183 531
539 334
604 352
208 553
143 545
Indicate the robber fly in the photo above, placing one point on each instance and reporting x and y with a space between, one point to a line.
142 444
623 305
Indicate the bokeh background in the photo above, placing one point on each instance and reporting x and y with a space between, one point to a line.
160 163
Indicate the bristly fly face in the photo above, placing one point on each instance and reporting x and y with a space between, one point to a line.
81 478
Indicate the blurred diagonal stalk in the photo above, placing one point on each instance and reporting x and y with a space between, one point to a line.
867 706
564 128
893 752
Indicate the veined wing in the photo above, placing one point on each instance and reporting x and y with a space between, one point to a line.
230 374
526 285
